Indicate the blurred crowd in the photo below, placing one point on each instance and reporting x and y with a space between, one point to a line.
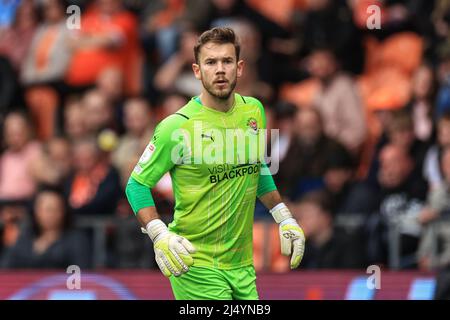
363 117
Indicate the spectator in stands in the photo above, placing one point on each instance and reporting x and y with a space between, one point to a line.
139 129
108 38
176 73
54 164
329 23
170 103
339 181
438 204
98 112
421 105
49 53
396 200
284 120
75 120
309 149
16 39
16 179
51 242
110 85
94 186
255 80
400 132
13 217
338 101
432 170
327 247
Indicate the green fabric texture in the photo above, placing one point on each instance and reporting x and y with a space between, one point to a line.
266 183
139 196
234 284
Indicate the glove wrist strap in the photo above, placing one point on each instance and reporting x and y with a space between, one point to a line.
280 212
155 228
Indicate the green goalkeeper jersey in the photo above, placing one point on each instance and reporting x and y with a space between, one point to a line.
214 159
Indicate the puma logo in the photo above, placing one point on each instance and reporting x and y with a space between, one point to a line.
208 137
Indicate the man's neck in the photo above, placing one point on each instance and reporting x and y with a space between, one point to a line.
223 105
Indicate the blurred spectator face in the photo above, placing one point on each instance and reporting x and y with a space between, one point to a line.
224 5
59 153
444 132
187 42
336 178
49 211
316 5
137 116
218 69
422 82
445 163
322 64
384 117
85 155
401 131
26 15
248 34
395 166
16 131
109 6
74 120
12 213
53 10
172 103
308 126
403 137
311 218
110 83
97 110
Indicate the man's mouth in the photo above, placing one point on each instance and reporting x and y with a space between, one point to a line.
221 81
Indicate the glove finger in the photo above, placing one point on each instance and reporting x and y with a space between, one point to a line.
183 254
180 257
286 244
297 255
188 245
169 263
175 258
162 266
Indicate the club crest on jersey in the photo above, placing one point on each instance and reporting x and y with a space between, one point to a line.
252 124
147 153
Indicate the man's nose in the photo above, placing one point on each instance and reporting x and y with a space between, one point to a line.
220 68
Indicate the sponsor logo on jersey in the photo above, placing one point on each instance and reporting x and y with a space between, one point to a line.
217 174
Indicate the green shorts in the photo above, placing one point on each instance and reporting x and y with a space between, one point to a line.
204 283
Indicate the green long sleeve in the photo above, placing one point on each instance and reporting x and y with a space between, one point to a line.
139 196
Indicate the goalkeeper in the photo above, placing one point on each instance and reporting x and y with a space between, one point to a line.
207 250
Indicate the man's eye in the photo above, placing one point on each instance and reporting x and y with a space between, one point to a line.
209 62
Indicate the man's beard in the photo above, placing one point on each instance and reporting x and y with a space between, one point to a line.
220 94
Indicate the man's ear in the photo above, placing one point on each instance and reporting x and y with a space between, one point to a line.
197 73
240 67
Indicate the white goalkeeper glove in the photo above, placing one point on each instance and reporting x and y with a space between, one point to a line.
172 252
292 238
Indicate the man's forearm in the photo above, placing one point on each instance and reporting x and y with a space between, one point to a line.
147 214
271 199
